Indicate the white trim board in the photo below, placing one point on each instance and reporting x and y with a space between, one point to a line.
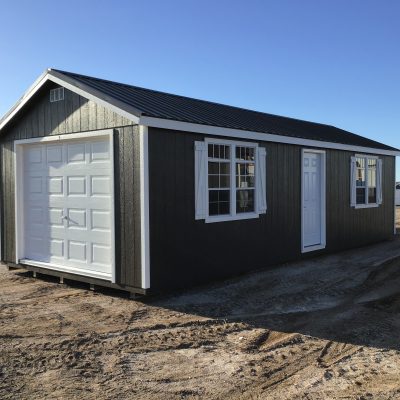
322 245
144 206
265 137
19 201
70 270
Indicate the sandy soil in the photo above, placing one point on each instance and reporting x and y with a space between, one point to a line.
326 328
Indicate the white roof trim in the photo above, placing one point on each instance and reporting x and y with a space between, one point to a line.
267 137
76 87
132 114
24 99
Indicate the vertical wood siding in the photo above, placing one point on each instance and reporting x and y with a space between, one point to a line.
186 252
77 114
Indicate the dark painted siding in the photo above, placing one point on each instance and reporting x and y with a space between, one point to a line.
186 252
127 205
348 227
77 114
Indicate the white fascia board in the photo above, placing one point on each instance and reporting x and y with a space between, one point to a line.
24 99
76 87
265 137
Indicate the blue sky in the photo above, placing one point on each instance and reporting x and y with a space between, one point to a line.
335 62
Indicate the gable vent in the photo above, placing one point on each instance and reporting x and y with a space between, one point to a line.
56 94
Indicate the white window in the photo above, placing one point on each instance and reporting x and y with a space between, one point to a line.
230 180
366 181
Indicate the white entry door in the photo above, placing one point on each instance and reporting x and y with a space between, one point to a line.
68 197
313 223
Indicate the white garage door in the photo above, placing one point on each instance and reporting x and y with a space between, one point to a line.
68 216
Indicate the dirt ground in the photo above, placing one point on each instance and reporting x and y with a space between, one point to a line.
325 328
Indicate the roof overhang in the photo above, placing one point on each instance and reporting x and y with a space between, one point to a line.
267 137
136 116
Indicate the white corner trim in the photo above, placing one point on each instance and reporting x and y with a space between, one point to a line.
321 245
19 201
267 137
78 88
144 206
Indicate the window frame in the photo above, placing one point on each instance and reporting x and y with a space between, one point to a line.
367 157
233 215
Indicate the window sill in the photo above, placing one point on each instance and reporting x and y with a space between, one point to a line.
225 218
374 205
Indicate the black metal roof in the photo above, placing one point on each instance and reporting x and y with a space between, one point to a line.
157 104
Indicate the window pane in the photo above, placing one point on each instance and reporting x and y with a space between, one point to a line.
244 175
244 201
213 181
223 207
213 208
371 162
244 181
227 152
360 196
238 152
372 195
371 177
360 162
219 203
225 168
241 181
245 153
213 168
224 181
211 150
250 153
360 177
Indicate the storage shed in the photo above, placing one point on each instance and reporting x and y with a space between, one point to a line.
136 189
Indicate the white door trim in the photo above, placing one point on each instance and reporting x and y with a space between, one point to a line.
322 245
19 198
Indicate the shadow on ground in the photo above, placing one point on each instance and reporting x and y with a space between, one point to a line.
352 297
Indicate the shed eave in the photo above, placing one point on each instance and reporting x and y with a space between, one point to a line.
267 137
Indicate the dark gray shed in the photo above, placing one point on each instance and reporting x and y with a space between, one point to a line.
132 188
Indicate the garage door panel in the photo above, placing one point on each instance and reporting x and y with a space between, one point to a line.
56 217
100 152
54 154
100 254
77 218
55 185
76 153
100 220
76 185
100 185
68 190
56 248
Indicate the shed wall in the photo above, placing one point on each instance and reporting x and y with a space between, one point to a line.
185 252
78 114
